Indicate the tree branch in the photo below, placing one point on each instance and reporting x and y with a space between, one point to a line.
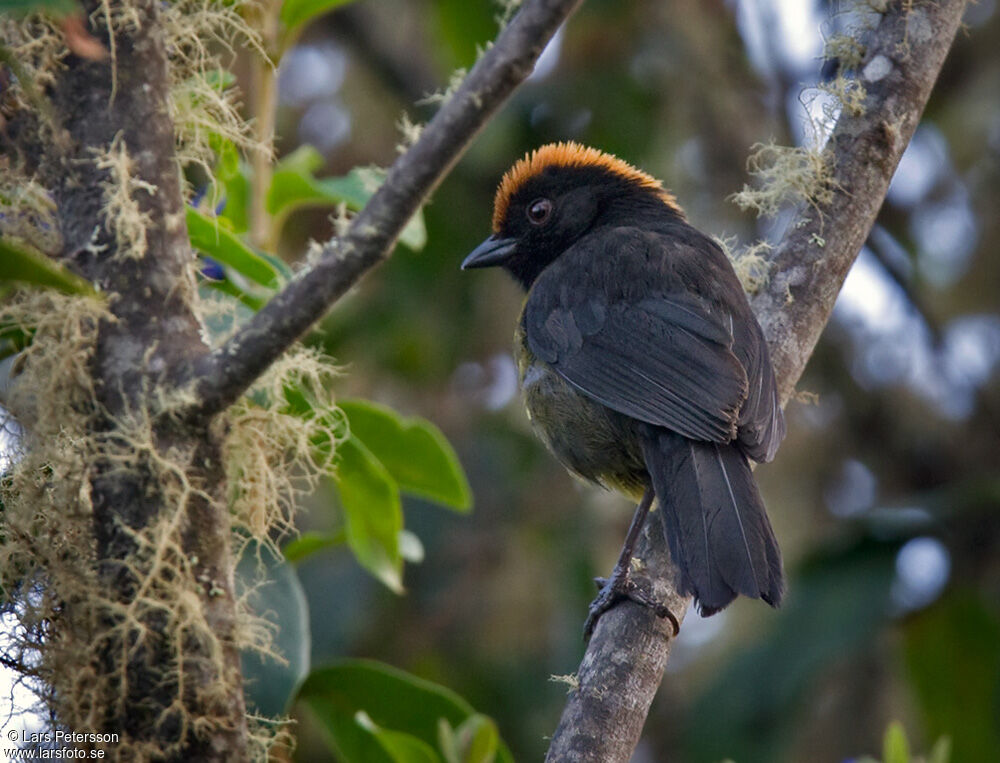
902 62
624 661
881 244
225 374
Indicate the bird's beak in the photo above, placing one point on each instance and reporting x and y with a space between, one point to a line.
493 251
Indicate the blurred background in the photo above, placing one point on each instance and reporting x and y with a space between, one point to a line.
885 495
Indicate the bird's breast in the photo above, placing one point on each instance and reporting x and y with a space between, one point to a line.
591 440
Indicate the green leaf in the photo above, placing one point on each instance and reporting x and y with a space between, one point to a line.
279 265
941 751
213 239
448 742
220 79
227 157
232 290
293 186
414 234
55 7
305 160
271 590
463 27
952 656
296 13
13 339
392 698
400 746
413 450
24 265
373 512
477 740
309 543
895 748
235 193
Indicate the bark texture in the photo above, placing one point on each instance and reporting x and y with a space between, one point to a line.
152 344
165 656
623 664
121 103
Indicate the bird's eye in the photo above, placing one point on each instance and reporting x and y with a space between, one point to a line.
539 211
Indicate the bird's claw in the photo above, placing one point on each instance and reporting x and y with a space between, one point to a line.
616 588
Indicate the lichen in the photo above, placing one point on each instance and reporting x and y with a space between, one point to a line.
198 36
848 95
277 450
27 212
846 49
66 619
805 173
751 266
65 622
204 108
786 174
441 97
571 680
409 133
507 10
47 557
340 221
124 216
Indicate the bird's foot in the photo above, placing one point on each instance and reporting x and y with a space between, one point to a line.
616 588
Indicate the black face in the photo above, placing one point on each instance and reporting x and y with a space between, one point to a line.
553 210
546 217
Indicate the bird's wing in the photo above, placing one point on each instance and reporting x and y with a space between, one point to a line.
761 423
660 357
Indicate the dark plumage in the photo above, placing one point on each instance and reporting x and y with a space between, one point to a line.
642 365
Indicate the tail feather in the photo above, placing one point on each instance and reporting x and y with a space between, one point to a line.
718 532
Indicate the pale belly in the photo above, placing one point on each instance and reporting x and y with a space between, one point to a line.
592 441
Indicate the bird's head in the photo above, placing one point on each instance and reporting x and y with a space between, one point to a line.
553 196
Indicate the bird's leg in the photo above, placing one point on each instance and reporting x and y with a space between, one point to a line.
620 584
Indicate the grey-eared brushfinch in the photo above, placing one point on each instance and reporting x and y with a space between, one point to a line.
642 366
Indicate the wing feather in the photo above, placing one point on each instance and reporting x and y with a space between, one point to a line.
665 360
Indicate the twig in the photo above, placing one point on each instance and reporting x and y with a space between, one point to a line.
225 374
882 244
407 75
263 81
623 664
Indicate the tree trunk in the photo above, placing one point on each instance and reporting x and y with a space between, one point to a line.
167 673
148 640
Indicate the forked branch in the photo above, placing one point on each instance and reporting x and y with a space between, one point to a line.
225 374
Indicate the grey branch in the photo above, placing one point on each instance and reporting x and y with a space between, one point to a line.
624 661
225 374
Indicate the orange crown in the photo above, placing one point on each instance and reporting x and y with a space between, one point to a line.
569 155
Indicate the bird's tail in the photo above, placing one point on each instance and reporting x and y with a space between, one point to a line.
719 535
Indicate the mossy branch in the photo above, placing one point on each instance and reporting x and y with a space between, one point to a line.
224 375
117 531
624 661
811 261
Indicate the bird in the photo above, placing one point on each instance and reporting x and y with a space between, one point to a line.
642 367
